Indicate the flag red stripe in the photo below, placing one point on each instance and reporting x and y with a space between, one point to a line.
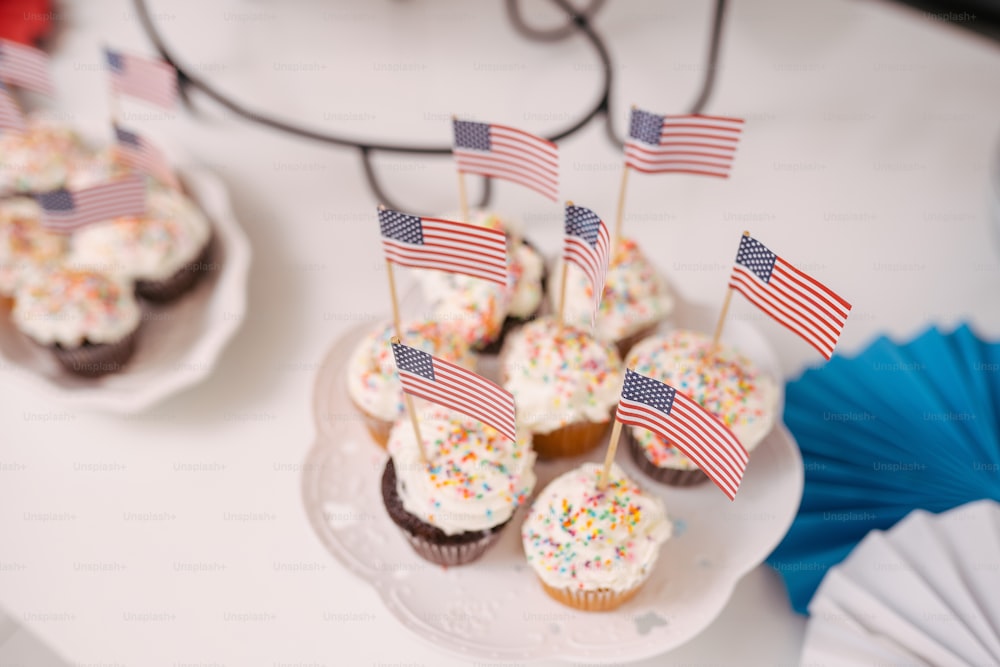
776 301
698 116
696 135
806 303
668 128
752 288
515 147
821 291
546 190
25 66
704 431
526 137
636 145
448 397
699 172
724 477
500 161
490 393
424 260
463 390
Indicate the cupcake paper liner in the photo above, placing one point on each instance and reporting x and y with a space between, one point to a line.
430 542
512 323
602 599
180 282
570 440
668 476
94 360
379 429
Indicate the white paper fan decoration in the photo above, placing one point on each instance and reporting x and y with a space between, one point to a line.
926 592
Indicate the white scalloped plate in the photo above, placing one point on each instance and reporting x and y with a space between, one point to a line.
178 343
494 609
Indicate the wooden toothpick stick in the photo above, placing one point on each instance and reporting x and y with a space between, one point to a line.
620 215
609 458
414 422
392 292
722 314
562 288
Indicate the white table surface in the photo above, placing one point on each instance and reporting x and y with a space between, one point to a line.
871 130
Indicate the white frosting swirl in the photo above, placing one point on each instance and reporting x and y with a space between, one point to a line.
474 477
372 379
24 244
727 384
171 234
41 158
477 307
635 295
578 538
559 376
72 307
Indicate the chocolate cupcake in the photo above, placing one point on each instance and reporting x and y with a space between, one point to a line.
453 507
724 382
164 252
86 319
636 298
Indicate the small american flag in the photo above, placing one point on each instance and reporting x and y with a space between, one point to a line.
454 387
65 210
431 243
508 153
791 297
695 144
656 406
587 244
25 66
11 118
147 79
142 155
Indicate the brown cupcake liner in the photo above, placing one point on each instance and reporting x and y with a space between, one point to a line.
378 428
430 542
570 440
601 599
96 359
512 323
628 342
185 278
663 475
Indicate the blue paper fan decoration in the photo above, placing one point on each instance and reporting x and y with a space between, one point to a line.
897 428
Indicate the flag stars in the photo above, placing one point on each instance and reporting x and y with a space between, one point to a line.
401 227
472 135
756 257
646 127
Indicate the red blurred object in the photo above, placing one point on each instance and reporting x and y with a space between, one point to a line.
25 21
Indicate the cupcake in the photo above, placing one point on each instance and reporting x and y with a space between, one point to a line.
372 381
453 507
39 159
565 384
593 550
164 251
636 298
88 320
726 383
482 311
24 244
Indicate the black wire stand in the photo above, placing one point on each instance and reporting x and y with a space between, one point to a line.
577 22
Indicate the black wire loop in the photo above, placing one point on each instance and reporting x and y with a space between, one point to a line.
578 21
